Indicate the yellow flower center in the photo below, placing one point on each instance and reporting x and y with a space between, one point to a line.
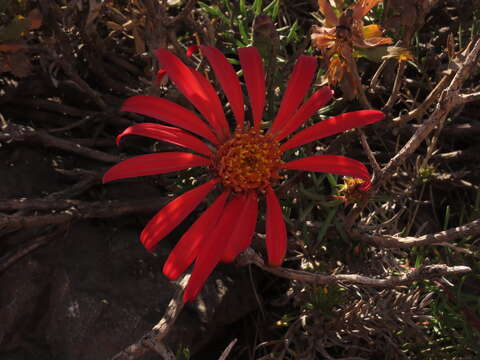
248 161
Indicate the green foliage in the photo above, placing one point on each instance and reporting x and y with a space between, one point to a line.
183 353
236 20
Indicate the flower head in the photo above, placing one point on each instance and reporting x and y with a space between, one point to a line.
351 190
244 163
340 35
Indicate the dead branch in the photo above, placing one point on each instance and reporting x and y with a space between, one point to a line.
447 101
153 340
389 241
227 350
426 272
37 204
421 109
77 210
396 86
20 133
465 98
368 151
87 180
10 258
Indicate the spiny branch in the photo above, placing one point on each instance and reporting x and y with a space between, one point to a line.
426 272
388 241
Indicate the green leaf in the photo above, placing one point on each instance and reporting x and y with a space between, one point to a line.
332 180
243 32
214 11
292 34
272 9
257 7
326 224
242 7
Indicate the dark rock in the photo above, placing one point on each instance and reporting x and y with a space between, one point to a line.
96 290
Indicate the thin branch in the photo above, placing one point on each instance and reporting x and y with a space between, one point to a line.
20 133
228 349
445 104
76 189
388 241
396 86
38 204
362 97
426 272
76 210
368 151
429 100
376 76
153 339
465 98
10 258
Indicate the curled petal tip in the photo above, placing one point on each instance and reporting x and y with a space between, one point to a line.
160 75
192 49
104 179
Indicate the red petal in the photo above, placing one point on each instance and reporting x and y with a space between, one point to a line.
212 250
214 112
297 88
332 164
334 125
173 214
169 112
187 248
168 134
308 109
254 76
160 75
192 49
196 89
276 231
154 164
228 80
244 228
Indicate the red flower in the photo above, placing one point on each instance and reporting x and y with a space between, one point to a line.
243 164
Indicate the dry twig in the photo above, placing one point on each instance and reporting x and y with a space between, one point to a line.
20 133
228 349
426 272
388 241
447 101
77 210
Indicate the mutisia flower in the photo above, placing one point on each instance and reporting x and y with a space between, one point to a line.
244 164
341 34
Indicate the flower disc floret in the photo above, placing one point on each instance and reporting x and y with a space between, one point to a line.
248 161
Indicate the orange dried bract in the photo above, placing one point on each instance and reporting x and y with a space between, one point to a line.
340 35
